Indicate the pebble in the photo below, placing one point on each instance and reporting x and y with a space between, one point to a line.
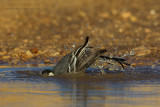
29 53
126 14
127 22
47 61
34 50
104 15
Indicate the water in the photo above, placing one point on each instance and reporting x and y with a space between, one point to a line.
20 86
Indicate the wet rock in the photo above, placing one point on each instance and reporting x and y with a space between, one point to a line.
55 54
69 18
133 18
6 57
108 23
38 37
147 30
34 50
25 40
19 50
29 53
153 38
114 12
3 52
47 61
126 15
152 12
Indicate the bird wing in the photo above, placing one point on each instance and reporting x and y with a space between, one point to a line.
89 59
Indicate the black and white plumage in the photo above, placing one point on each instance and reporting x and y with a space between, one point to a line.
79 60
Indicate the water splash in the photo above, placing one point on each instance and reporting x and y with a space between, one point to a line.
101 67
116 50
74 45
28 67
65 47
111 55
131 67
153 66
113 67
131 53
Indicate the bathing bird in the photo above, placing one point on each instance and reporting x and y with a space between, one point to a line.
80 59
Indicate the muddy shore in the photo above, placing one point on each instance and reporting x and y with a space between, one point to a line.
43 32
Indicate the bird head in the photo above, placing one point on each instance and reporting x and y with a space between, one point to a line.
48 72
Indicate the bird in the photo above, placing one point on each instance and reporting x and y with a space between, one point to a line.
80 59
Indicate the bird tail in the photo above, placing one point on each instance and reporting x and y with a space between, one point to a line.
77 55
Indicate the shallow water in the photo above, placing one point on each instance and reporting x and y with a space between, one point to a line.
20 86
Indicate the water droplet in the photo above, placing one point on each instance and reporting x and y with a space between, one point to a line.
153 66
128 54
132 52
28 66
73 46
111 55
65 47
71 49
123 70
116 49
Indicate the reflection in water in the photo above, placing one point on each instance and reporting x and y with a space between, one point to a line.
113 93
27 89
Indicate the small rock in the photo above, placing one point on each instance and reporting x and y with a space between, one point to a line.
29 53
152 12
6 57
16 49
83 14
133 18
34 50
47 61
114 12
69 18
38 37
147 30
104 15
25 40
3 52
126 15
55 54
120 30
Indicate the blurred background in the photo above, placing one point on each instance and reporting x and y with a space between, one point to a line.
41 30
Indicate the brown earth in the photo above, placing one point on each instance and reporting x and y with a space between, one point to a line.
42 31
